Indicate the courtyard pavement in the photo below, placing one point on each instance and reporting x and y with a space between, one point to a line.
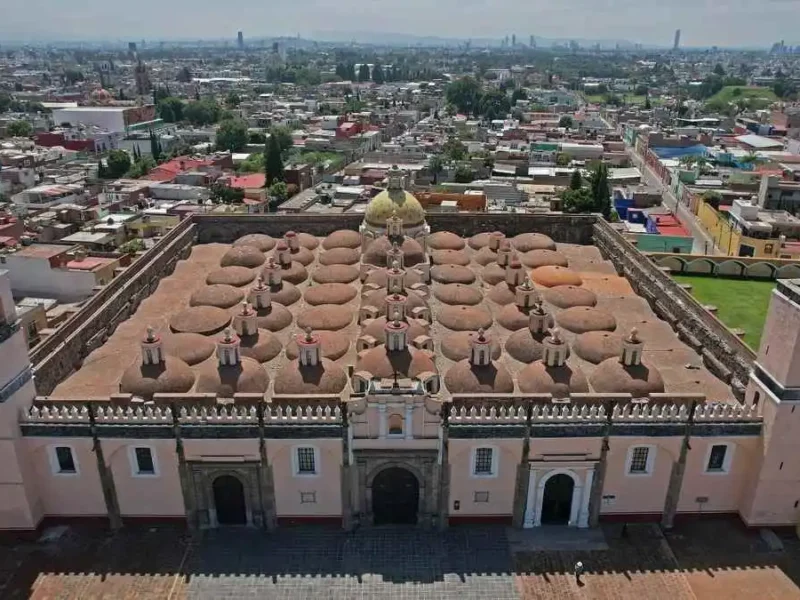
704 561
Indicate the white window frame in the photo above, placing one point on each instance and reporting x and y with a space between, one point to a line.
726 463
296 461
135 463
651 460
402 433
495 462
54 466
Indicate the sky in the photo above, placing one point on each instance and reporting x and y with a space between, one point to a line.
653 22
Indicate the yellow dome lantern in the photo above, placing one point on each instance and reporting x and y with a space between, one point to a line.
394 201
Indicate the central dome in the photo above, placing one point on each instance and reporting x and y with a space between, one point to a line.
394 201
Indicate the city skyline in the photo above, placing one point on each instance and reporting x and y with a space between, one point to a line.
648 22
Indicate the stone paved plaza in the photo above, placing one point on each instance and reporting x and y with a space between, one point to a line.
709 560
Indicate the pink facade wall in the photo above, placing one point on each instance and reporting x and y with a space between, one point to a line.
326 485
463 484
780 341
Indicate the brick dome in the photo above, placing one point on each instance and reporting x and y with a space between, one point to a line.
512 318
538 378
567 296
171 376
219 295
340 256
388 364
492 274
526 242
466 378
525 346
243 256
581 319
449 257
378 249
302 255
543 258
479 240
377 329
286 294
247 377
445 240
452 274
379 278
335 274
200 319
261 347
465 318
502 294
457 345
342 238
274 318
296 273
552 276
457 293
597 346
613 377
236 276
485 256
326 377
333 344
325 316
377 298
307 240
263 242
330 293
191 348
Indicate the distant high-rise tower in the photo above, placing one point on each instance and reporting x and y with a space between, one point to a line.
513 40
532 42
677 43
240 40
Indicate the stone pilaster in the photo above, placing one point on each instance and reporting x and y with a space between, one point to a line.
346 474
596 494
444 470
184 473
676 476
106 475
523 471
266 492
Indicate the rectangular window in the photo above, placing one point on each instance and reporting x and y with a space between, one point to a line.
483 461
639 460
144 461
481 497
65 460
716 459
308 497
306 461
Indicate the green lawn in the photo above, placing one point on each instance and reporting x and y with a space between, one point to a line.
763 96
741 303
627 98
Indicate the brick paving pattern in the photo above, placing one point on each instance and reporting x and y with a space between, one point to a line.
703 561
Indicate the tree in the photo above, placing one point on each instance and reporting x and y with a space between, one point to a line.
5 102
435 167
118 163
232 135
232 99
563 159
19 129
71 76
273 161
279 191
102 173
202 112
718 70
750 158
141 167
464 174
132 246
601 193
363 72
224 194
494 105
464 94
647 105
454 150
576 182
565 122
184 75
170 109
284 137
577 201
377 74
518 94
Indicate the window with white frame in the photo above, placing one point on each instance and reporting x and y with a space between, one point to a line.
640 460
62 460
484 462
306 460
396 425
143 461
718 458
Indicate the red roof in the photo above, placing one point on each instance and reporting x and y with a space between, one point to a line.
253 180
669 225
169 170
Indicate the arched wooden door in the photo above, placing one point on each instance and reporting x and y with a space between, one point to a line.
229 500
557 501
395 497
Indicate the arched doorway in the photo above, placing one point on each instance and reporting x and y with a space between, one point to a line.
229 501
557 500
395 497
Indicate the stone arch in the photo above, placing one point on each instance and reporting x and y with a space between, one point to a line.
675 264
701 266
733 268
791 271
761 270
577 494
396 464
